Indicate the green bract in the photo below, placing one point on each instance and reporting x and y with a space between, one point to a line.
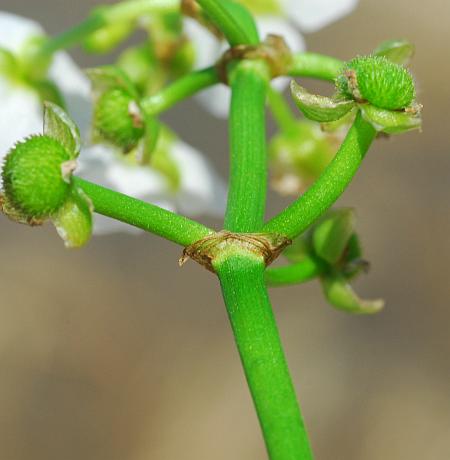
377 80
118 119
33 176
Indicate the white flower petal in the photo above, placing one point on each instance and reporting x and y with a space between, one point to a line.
207 46
20 114
75 87
312 15
201 190
216 100
103 166
280 26
15 30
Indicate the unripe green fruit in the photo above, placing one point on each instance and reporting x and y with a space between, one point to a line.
33 177
117 119
377 80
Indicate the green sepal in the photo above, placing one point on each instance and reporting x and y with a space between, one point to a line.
110 77
17 216
342 296
397 51
320 108
331 235
392 121
73 221
59 126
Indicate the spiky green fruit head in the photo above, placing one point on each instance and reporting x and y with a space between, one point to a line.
377 80
33 176
118 119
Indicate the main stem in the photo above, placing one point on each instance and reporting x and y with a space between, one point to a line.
241 273
256 334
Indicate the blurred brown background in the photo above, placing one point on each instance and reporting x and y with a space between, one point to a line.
113 353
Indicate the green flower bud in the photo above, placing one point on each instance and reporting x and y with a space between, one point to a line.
107 38
377 80
36 176
299 156
118 119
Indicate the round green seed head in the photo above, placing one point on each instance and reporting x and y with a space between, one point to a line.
33 178
377 80
115 120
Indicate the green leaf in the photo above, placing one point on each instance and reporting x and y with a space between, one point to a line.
59 126
320 108
73 221
392 121
110 77
397 51
341 296
331 235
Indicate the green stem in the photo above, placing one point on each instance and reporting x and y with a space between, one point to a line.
232 19
297 273
283 115
248 169
297 217
257 338
122 11
315 65
181 89
146 216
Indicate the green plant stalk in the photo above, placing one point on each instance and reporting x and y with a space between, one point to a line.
297 217
248 168
297 273
146 216
236 28
242 281
122 11
315 65
282 113
181 89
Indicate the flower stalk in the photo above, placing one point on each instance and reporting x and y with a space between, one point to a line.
122 11
145 216
298 216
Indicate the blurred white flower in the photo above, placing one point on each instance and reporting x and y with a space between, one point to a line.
200 191
288 18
